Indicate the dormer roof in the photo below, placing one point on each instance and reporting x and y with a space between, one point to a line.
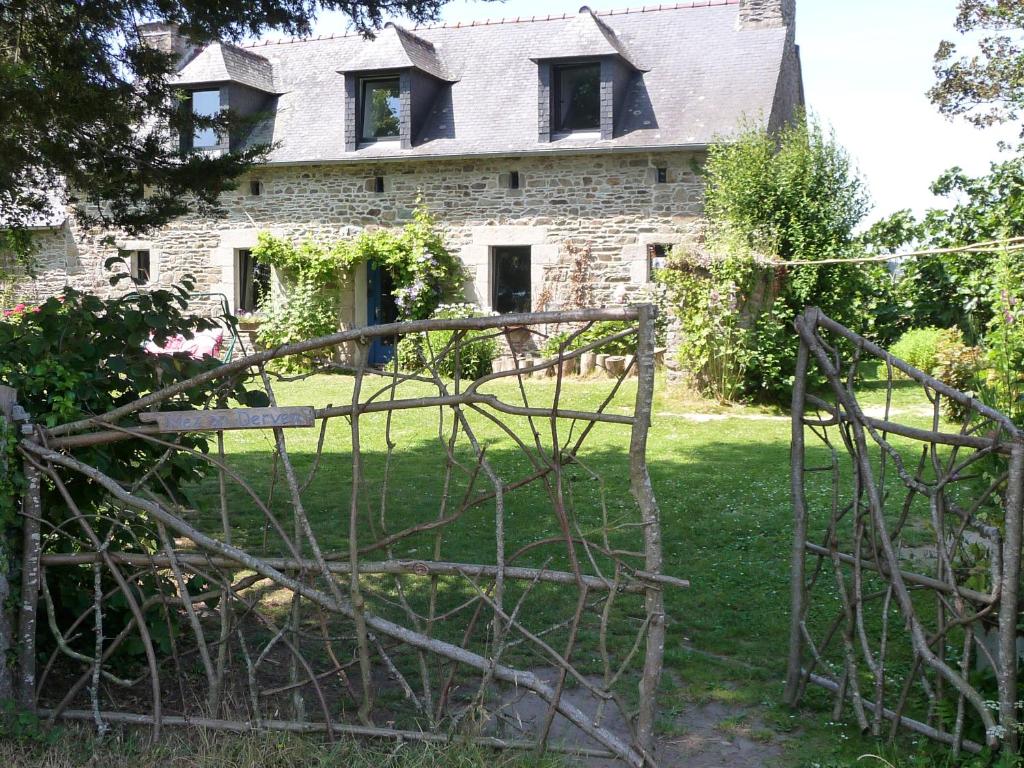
225 63
700 74
398 48
585 36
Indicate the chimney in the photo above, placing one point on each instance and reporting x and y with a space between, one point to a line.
767 14
165 36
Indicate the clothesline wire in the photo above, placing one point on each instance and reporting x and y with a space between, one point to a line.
1007 245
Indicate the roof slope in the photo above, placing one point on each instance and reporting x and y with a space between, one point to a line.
396 48
224 63
586 35
701 76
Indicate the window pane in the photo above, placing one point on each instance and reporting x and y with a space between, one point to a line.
578 97
253 282
381 109
205 104
512 279
141 267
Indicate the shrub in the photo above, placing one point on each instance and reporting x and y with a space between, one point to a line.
307 311
920 347
623 346
795 196
80 355
477 349
959 366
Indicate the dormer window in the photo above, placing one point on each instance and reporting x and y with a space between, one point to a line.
380 109
576 97
205 104
391 87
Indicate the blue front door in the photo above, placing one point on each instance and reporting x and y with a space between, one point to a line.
380 308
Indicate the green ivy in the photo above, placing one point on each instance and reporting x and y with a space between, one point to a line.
306 312
425 273
715 344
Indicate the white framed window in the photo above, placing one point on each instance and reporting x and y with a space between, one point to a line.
205 104
657 258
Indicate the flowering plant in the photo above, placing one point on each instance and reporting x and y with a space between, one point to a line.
15 312
423 270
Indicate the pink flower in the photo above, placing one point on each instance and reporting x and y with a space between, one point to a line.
18 308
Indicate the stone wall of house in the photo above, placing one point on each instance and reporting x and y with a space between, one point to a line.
610 206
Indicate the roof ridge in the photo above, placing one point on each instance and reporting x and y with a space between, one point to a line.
691 4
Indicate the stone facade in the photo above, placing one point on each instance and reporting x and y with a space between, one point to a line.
613 204
612 194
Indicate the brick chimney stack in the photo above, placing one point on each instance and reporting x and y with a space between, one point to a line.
165 36
765 14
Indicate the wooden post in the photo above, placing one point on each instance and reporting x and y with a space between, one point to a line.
797 555
32 507
7 399
640 483
1008 598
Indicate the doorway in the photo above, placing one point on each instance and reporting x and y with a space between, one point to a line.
380 309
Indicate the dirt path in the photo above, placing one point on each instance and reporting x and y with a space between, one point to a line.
710 735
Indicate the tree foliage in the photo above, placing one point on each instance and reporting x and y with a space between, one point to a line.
791 197
985 86
952 289
85 104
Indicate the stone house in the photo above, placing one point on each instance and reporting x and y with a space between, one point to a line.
530 139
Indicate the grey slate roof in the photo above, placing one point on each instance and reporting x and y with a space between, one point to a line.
397 48
224 63
585 35
701 76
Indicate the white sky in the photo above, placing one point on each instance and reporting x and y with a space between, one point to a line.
867 65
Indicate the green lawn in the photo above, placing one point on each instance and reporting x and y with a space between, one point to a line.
722 481
721 476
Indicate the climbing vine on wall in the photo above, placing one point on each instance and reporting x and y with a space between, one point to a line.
424 272
710 296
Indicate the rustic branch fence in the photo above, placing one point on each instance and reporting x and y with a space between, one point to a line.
906 550
331 592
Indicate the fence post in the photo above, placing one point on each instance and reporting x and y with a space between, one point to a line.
8 398
798 552
640 482
1009 605
32 509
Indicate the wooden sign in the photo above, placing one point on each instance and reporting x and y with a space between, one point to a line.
231 418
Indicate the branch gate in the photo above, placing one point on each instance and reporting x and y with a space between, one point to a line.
387 583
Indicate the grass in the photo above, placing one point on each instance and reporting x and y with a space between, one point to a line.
722 481
76 746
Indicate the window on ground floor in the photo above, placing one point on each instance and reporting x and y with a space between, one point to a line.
657 258
139 265
252 281
510 283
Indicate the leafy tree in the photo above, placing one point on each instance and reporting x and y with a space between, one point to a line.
986 87
955 289
795 197
85 104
